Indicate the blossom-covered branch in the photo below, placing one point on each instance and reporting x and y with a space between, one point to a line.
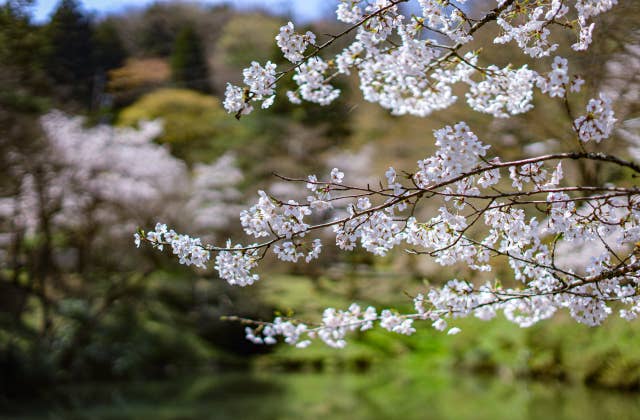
403 68
462 205
460 177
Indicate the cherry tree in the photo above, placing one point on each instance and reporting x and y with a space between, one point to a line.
488 210
86 188
96 172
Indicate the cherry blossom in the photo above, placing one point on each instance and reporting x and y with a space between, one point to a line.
292 44
463 205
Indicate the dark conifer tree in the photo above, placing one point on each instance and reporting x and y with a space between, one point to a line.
109 51
70 62
22 79
188 63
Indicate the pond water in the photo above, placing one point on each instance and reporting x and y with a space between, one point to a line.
373 395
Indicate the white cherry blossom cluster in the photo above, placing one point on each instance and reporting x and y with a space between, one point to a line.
556 82
533 35
503 92
598 123
459 151
292 44
235 264
527 173
267 334
378 232
269 217
349 11
260 86
439 17
588 9
232 262
189 251
440 236
312 85
333 328
291 251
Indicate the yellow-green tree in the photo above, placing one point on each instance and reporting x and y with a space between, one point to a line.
196 127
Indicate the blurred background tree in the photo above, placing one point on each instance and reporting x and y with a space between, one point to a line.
23 84
189 68
196 127
69 57
109 52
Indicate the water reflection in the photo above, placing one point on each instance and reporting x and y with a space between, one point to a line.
375 395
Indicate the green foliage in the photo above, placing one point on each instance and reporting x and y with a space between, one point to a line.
553 350
22 79
158 32
237 47
18 37
109 51
153 30
69 59
188 63
196 127
558 350
133 343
